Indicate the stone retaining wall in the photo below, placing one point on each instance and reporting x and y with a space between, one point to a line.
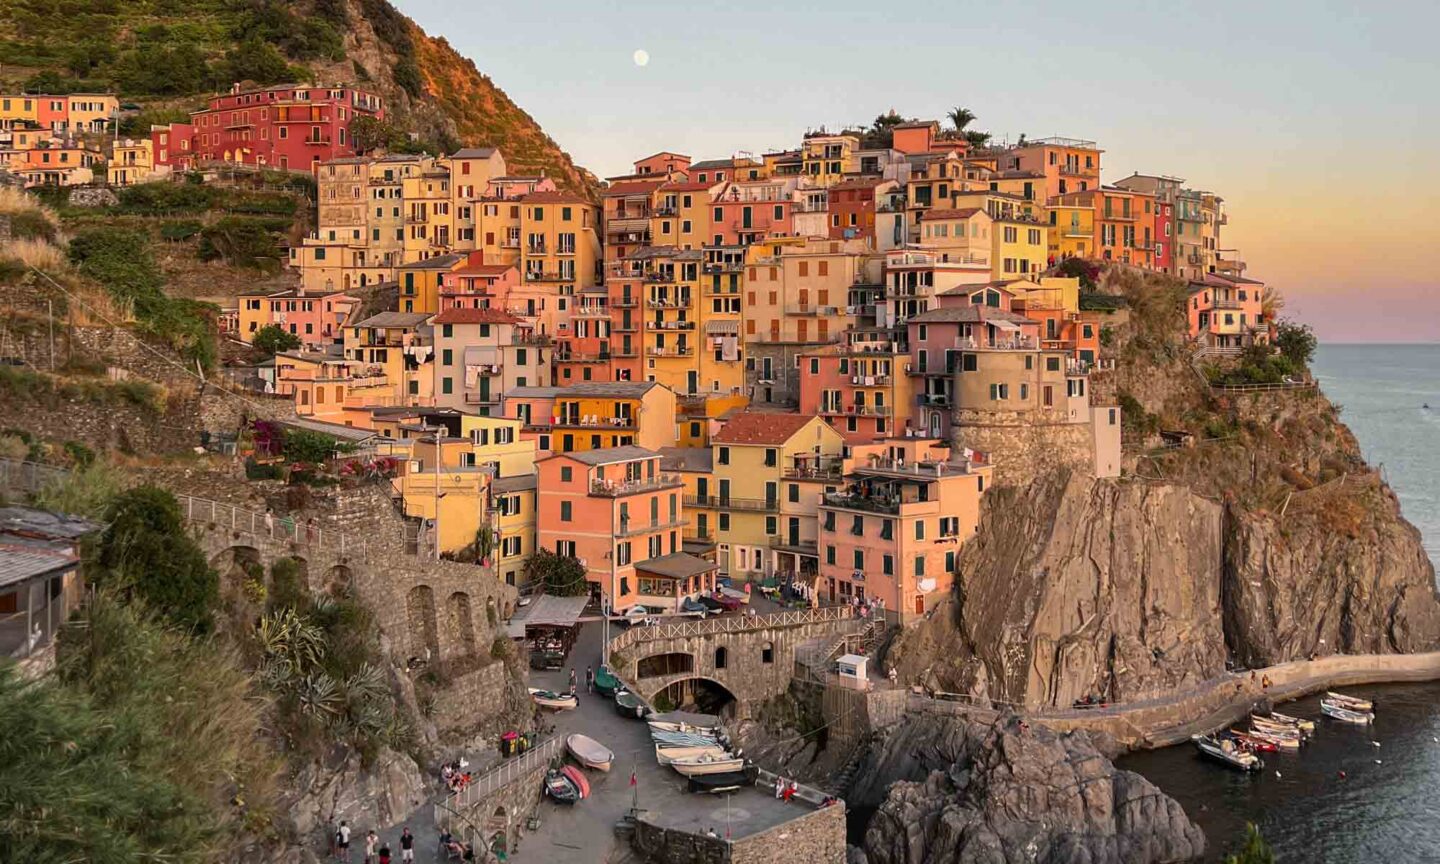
816 837
1023 446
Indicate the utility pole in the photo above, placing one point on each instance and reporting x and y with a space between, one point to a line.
437 491
50 308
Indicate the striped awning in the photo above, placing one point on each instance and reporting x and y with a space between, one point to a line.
722 328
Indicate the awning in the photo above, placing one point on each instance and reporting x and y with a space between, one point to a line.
722 328
1001 324
546 611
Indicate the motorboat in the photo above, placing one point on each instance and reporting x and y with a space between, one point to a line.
1353 703
728 781
711 603
554 701
733 593
627 704
561 788
1281 741
578 778
1227 752
1339 712
1303 724
589 752
637 616
669 755
692 606
1250 742
708 763
606 684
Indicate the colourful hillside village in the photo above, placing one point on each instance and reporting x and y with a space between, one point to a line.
805 367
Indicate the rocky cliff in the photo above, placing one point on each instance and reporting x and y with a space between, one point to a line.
947 789
1268 539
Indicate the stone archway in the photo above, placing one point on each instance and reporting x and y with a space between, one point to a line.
460 622
662 665
699 693
420 616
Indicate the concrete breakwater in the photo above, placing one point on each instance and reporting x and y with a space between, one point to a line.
1218 702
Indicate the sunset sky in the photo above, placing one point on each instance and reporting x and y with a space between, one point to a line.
1316 121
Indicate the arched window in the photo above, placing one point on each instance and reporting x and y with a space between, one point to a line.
767 653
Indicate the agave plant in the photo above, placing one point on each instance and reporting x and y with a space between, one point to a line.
291 646
320 697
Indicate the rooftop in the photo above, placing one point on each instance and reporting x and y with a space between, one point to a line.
609 455
473 153
438 262
612 389
517 483
394 319
686 458
475 316
676 565
752 427
30 522
20 562
967 315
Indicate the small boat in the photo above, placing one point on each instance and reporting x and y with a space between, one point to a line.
662 725
711 603
692 606
578 778
1280 740
1251 742
1339 712
1279 730
1354 703
627 704
669 755
686 739
561 788
1301 723
636 616
554 701
1227 753
589 752
606 684
728 781
708 764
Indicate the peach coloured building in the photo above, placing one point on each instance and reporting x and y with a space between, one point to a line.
480 286
622 517
1225 311
893 533
317 319
938 339
863 395
748 212
1068 164
480 355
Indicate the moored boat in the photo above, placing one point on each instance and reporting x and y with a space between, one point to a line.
561 788
1277 730
685 739
708 764
1352 703
1280 740
657 725
668 755
554 701
1226 752
1253 743
1302 723
1339 712
606 684
589 752
578 778
627 704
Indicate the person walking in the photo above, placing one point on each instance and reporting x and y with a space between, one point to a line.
589 680
572 679
407 845
342 841
269 522
371 839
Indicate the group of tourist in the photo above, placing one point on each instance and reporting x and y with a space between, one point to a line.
785 789
455 776
454 849
377 851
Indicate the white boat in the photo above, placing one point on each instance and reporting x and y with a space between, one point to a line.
685 739
676 726
554 701
708 764
1279 730
1301 723
1228 753
1353 703
589 752
668 755
1345 715
1280 740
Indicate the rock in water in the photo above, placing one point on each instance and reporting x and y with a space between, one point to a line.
950 789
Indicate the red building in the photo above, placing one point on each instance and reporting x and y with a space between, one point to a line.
851 207
1164 236
287 126
173 145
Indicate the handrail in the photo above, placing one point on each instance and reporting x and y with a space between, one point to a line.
498 777
730 624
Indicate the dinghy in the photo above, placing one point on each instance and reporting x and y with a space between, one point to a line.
606 684
1280 740
589 752
627 704
707 764
1253 743
668 755
684 739
560 788
578 778
1339 712
1227 753
554 701
1301 723
681 726
1353 703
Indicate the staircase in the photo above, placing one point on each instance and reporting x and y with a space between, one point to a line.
840 781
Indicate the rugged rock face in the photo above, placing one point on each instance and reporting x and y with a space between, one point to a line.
381 794
1076 587
999 793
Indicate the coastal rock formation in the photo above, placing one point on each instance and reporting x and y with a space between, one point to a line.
1076 587
948 789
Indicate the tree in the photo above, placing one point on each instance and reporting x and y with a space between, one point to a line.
1296 341
1256 850
960 118
559 575
302 445
1272 300
977 139
271 339
147 553
261 62
882 132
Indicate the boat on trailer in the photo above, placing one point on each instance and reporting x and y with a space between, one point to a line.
730 781
627 704
669 755
554 701
1337 711
708 764
561 788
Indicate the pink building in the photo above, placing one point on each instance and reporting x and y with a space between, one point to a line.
1226 311
617 513
863 395
939 340
287 126
479 286
173 145
744 213
317 319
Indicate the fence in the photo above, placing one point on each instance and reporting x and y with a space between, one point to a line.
730 624
22 476
1263 388
496 779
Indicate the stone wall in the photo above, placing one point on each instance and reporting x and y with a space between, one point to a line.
785 386
1023 446
668 846
818 837
104 423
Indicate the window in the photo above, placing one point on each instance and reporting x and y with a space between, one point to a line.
771 528
919 529
623 553
999 392
887 565
919 565
447 357
447 385
857 526
724 521
565 473
565 511
720 657
829 554
767 653
793 490
724 456
859 560
565 548
771 455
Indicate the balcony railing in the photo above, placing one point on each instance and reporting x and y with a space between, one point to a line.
631 486
669 302
826 470
591 421
727 502
624 302
672 325
583 357
1019 343
673 351
796 309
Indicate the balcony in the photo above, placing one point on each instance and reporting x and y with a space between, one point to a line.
667 210
808 310
627 353
1227 304
1018 343
923 470
826 469
635 527
482 398
625 302
726 502
933 400
672 351
526 339
510 243
886 503
740 226
1076 171
671 325
632 486
724 267
663 276
669 302
535 249
548 276
591 421
626 327
583 357
592 312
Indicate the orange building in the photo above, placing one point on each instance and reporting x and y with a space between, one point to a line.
863 395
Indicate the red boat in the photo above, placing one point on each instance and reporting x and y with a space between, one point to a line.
1251 743
578 778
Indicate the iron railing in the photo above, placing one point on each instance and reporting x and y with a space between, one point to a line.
730 624
496 779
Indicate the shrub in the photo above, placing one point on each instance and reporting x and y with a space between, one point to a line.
146 550
180 229
243 242
87 490
271 339
302 445
163 199
287 586
1296 342
561 575
262 471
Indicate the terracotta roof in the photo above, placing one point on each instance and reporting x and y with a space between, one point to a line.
686 458
438 262
612 389
686 186
476 316
676 565
474 153
486 270
962 213
634 187
966 290
859 183
750 427
967 315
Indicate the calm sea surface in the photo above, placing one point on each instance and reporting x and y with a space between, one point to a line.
1386 810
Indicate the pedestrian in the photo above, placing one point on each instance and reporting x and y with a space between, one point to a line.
342 841
572 679
894 676
589 680
370 840
287 526
269 522
384 853
779 787
310 531
407 845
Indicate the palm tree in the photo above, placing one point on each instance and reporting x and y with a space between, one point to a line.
1272 300
960 118
977 139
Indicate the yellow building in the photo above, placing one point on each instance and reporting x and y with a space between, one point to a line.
19 108
512 513
962 235
1019 247
131 161
1072 227
90 112
337 265
428 214
459 492
496 442
752 456
471 170
599 415
680 214
1049 292
699 417
559 242
393 345
797 289
420 281
690 325
694 467
385 205
826 159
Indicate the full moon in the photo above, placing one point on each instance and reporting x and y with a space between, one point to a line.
642 57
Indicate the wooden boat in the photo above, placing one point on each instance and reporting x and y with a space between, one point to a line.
729 781
1353 703
1301 723
669 738
680 726
1345 715
708 764
627 704
606 684
1281 741
578 778
554 701
1251 742
561 788
668 755
589 752
1280 730
1227 753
